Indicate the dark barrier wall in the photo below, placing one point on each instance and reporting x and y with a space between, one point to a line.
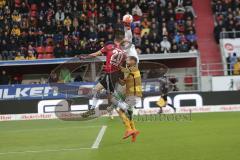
184 99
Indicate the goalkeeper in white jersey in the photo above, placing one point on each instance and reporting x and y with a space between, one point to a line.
130 48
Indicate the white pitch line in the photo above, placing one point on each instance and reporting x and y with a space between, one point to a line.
40 151
60 128
99 138
94 146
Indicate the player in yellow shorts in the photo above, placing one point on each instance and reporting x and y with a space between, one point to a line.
164 89
125 105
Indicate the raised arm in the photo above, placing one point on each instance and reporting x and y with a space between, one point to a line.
95 54
92 55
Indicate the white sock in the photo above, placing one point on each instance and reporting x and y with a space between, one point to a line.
94 102
122 105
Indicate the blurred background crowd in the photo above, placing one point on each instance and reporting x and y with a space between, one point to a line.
39 29
227 16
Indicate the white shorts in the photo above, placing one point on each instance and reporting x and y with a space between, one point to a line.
132 100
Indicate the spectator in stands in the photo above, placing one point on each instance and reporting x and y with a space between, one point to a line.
226 14
154 38
15 31
218 29
58 51
78 78
177 38
173 82
24 9
188 6
4 78
174 48
193 50
30 56
5 50
102 35
236 70
191 37
183 47
12 48
165 45
145 27
68 51
84 25
15 80
2 3
233 59
19 56
171 25
137 14
155 49
42 80
59 16
219 7
53 78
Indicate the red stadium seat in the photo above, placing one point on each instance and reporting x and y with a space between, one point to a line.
40 56
48 56
49 49
40 50
188 80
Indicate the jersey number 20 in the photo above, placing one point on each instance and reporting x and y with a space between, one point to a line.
117 57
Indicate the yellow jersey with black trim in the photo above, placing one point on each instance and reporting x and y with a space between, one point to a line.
133 81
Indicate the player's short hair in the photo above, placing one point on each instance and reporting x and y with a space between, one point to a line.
133 58
119 35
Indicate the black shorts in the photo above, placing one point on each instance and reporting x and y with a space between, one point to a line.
164 97
109 80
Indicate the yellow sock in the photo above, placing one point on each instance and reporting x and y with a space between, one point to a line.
132 124
125 120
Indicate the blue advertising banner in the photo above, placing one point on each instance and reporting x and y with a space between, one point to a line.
43 91
58 90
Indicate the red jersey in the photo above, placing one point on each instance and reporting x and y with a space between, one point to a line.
115 57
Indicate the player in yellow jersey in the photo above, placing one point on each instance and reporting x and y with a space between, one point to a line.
164 90
124 106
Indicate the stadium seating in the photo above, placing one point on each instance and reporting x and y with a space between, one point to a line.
87 24
227 16
40 50
227 19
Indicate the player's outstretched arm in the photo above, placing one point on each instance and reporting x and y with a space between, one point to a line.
92 55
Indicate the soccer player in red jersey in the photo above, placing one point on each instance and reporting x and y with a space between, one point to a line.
115 57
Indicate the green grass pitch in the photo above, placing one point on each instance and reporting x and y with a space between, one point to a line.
209 136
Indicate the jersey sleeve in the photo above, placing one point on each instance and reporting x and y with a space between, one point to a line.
103 50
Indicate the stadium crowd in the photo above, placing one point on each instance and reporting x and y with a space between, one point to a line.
31 29
227 17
